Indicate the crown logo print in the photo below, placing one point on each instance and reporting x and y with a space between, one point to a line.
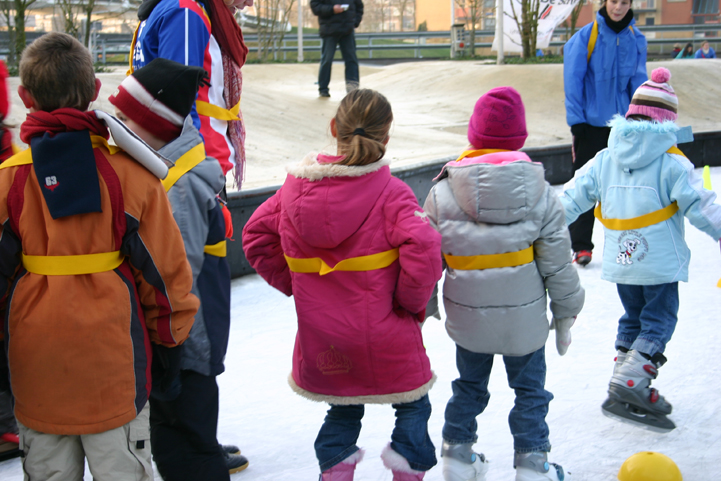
332 362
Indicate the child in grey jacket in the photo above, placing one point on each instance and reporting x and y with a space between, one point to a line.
506 245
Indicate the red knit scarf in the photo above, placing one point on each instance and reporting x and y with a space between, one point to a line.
61 120
226 31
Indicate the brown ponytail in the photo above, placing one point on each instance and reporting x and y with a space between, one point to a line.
362 123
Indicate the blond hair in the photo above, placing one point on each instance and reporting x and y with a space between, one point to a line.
362 123
57 70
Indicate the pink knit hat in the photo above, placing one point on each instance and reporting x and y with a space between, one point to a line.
498 120
655 98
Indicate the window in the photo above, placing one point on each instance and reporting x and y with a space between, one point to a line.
489 23
489 3
650 21
705 7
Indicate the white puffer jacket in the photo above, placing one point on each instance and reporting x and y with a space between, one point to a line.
492 204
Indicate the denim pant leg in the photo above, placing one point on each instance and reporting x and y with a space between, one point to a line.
348 51
527 377
470 396
338 436
410 437
650 318
328 46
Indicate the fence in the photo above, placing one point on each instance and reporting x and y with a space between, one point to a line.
556 160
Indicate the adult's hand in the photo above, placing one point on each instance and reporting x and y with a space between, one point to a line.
238 4
579 130
337 9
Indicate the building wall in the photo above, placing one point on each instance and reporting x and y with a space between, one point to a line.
436 14
673 11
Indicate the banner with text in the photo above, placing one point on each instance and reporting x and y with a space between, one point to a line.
551 14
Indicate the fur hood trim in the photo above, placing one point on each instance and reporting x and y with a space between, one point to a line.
394 398
625 127
309 168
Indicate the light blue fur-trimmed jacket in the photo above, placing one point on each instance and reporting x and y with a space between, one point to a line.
635 176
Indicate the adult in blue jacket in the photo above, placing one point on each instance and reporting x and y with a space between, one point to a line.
705 51
599 80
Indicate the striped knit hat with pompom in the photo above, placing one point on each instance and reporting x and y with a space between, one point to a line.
655 98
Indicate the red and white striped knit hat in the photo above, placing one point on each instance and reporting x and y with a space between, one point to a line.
159 96
655 98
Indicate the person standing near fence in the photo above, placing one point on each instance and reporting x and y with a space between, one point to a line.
603 65
337 21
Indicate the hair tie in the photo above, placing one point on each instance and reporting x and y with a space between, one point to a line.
360 131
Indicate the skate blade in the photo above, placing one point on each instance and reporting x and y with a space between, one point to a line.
13 453
633 416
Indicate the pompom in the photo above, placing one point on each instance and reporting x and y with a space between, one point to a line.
661 75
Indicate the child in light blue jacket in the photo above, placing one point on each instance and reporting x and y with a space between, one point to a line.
644 186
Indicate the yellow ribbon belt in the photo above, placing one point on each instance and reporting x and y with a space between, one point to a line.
645 220
72 265
218 250
183 165
490 261
362 263
478 153
213 111
25 157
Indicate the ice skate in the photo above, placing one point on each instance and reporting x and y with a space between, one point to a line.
535 467
460 463
630 397
9 446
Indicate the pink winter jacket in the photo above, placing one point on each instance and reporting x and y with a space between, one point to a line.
359 337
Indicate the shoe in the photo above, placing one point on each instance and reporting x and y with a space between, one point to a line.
460 463
631 383
351 86
402 471
323 93
235 462
9 446
582 258
535 467
344 470
230 448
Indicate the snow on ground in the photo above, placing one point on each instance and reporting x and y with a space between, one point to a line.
276 428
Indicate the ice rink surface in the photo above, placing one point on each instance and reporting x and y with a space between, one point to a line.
276 428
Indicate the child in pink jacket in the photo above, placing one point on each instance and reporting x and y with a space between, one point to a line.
354 248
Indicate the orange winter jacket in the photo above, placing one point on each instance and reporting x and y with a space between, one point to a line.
79 345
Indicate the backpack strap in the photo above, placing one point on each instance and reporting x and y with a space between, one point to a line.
594 36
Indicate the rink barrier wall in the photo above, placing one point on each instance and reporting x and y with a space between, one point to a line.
556 160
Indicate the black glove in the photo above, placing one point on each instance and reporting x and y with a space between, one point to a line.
166 371
579 130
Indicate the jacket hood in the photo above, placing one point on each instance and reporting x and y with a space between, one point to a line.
209 169
635 144
497 193
327 203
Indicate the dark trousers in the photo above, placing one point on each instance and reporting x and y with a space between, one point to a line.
183 432
585 147
347 50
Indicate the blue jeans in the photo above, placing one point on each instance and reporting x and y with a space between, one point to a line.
526 376
650 317
347 51
338 436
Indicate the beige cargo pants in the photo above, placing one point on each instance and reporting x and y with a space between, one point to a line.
121 454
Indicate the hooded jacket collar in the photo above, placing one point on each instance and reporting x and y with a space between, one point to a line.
635 144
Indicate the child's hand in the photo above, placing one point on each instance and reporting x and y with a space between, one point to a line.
563 333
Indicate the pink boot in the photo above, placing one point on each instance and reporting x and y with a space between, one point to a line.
344 470
399 465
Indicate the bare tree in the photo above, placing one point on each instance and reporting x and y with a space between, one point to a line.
7 9
21 6
473 12
573 17
69 9
404 5
271 20
527 24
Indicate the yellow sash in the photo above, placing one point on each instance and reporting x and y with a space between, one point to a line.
363 263
25 157
72 265
594 36
478 153
218 250
215 112
639 222
490 261
184 164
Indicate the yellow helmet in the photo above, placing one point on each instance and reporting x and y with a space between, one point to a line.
649 466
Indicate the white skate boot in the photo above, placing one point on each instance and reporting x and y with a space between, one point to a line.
460 463
535 467
631 398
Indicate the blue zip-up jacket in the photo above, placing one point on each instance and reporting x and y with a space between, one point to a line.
198 214
634 176
598 89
